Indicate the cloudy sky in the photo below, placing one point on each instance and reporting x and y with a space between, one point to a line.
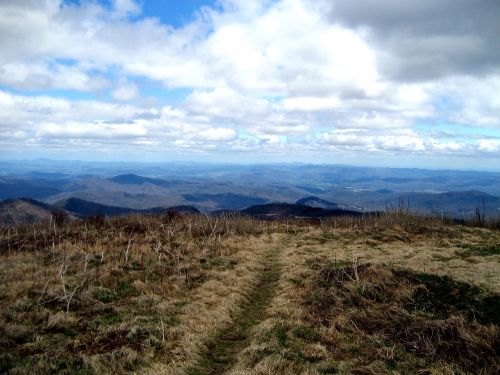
386 82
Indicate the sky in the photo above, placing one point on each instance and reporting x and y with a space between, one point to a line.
400 83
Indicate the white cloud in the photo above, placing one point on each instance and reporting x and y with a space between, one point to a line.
125 91
489 145
311 104
406 140
217 134
226 103
124 8
264 75
92 130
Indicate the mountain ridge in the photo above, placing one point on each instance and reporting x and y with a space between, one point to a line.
18 211
84 208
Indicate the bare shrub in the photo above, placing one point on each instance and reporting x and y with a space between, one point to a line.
60 217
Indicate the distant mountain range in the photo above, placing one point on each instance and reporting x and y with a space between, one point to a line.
83 208
272 210
208 188
16 187
450 202
24 210
133 179
225 200
317 202
322 203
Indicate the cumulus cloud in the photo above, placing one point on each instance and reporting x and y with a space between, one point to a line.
262 75
421 40
124 8
91 130
125 91
217 134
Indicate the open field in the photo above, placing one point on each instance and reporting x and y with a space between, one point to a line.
199 295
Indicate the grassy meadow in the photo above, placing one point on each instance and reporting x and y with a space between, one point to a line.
392 294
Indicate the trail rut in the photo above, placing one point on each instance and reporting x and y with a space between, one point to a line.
221 351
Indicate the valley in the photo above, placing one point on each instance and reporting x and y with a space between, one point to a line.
207 188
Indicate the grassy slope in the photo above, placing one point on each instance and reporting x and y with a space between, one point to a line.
196 295
324 319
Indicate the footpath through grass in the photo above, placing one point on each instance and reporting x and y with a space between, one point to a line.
221 351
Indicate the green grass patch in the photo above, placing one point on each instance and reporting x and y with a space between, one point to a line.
127 289
330 236
482 251
218 263
105 320
104 295
443 297
315 263
171 321
281 335
181 304
297 282
305 333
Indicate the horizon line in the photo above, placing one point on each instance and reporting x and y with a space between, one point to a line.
256 163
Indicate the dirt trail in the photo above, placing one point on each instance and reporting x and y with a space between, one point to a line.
222 349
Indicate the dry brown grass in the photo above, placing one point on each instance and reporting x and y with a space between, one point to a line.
114 295
368 324
403 320
467 254
148 294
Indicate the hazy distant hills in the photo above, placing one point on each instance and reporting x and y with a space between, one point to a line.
83 208
452 202
228 187
312 176
226 200
36 189
133 179
313 201
317 202
294 210
24 210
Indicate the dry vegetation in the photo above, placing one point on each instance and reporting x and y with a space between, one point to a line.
390 294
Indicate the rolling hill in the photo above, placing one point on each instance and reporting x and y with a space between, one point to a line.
313 201
24 210
16 188
226 200
229 187
272 210
133 179
317 202
83 208
452 203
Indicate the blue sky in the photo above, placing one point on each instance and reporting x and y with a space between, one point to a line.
175 13
170 12
330 81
